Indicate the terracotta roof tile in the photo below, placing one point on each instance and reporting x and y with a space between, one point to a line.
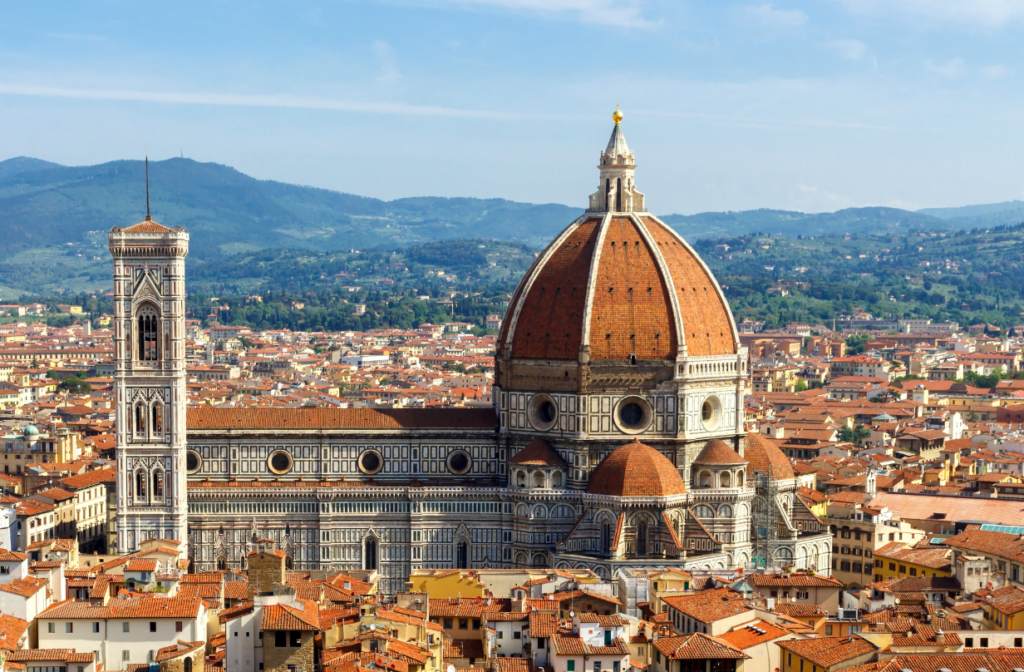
207 417
829 651
698 646
766 457
718 452
539 452
636 470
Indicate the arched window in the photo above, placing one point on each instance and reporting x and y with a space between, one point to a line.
641 538
725 479
704 512
140 484
705 479
370 554
520 479
739 479
147 327
222 563
140 420
556 479
618 195
606 536
607 194
462 555
725 511
158 418
158 484
188 664
538 479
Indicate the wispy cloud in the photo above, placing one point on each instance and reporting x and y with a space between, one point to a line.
768 16
81 37
984 12
996 72
954 67
623 13
851 50
251 100
385 55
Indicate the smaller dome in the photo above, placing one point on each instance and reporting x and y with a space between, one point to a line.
636 470
719 452
30 430
765 456
540 453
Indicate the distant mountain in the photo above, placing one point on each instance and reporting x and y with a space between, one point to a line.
227 211
54 219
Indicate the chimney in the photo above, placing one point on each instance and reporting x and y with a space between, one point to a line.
940 637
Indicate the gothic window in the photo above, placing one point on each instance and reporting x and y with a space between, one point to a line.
158 418
606 536
222 563
158 484
607 194
147 323
618 195
140 420
370 554
462 555
641 538
140 484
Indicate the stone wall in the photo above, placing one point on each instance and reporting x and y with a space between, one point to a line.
266 568
277 659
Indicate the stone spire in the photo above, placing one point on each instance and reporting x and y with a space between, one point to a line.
616 191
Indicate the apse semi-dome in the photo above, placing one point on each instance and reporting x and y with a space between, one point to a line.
617 285
766 457
636 470
718 452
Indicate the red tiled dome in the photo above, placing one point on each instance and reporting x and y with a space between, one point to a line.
649 294
538 452
719 452
765 456
636 470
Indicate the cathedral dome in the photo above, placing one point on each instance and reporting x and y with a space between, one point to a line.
617 284
765 456
636 470
719 452
538 452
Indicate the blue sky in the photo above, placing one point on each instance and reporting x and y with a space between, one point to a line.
729 106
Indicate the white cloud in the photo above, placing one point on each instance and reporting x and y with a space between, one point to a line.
996 71
954 67
985 12
625 13
250 100
851 50
809 198
768 16
385 55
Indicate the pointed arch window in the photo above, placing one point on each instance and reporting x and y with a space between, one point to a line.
158 484
607 194
140 485
158 418
462 555
370 554
140 420
606 536
641 538
618 195
147 329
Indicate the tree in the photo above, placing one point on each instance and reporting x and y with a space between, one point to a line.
800 386
74 385
855 435
857 343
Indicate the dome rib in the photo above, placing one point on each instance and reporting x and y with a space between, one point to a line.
636 470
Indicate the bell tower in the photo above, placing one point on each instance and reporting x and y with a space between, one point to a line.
149 382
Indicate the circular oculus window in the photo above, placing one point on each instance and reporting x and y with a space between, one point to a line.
543 412
459 462
711 413
370 462
280 462
633 415
193 462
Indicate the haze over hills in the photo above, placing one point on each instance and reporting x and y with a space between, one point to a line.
54 219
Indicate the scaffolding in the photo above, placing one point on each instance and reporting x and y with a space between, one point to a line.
766 519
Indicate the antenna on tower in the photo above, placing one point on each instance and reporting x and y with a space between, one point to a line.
147 189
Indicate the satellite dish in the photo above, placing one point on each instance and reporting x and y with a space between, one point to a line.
572 614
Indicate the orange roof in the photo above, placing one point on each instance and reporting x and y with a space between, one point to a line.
646 282
147 226
538 452
718 452
765 456
139 607
636 470
285 617
207 417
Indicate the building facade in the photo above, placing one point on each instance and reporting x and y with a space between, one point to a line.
615 441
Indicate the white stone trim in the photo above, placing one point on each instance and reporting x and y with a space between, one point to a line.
666 277
532 276
595 262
